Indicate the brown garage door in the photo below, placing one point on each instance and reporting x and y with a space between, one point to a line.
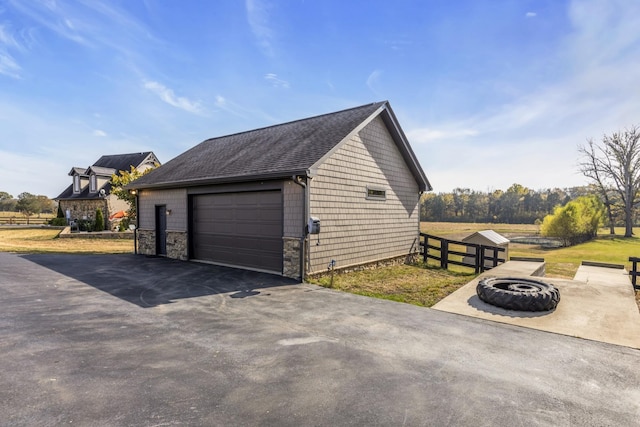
243 229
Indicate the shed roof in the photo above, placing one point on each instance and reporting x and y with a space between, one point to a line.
279 151
490 235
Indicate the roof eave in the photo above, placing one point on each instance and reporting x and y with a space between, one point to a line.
405 148
220 180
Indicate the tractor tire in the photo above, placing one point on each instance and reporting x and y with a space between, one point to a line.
518 294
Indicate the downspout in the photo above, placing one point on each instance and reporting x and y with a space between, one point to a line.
305 212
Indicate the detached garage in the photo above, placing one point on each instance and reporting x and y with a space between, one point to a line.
245 200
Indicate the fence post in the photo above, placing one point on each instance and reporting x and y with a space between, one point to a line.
444 254
476 259
634 272
425 248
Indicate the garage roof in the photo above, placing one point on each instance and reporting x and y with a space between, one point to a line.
279 151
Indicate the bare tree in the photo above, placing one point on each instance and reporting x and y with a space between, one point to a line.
589 168
614 165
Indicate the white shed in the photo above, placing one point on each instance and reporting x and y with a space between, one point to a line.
487 238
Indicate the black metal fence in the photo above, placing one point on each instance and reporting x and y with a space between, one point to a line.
480 258
634 273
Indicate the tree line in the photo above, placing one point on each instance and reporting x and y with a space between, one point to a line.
26 203
516 205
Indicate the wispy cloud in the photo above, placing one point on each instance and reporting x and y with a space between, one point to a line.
8 65
259 21
426 135
99 133
57 17
275 81
531 14
168 96
372 80
88 23
230 107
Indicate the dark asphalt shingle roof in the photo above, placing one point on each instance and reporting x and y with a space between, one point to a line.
122 161
279 150
103 166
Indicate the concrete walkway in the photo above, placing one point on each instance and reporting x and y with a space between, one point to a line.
598 304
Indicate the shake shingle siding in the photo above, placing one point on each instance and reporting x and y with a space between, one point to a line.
356 229
293 209
174 200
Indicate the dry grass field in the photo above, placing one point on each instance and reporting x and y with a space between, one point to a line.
45 240
459 230
413 284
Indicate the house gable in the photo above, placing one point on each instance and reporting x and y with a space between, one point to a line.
358 225
385 113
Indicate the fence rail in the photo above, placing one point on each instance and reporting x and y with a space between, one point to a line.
21 220
634 273
481 258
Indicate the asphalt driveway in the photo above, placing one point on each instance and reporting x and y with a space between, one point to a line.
130 340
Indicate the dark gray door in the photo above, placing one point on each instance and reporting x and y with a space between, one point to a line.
161 230
239 229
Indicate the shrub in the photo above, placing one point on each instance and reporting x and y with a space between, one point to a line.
85 225
99 223
58 222
575 222
124 224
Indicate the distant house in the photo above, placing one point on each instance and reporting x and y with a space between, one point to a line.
247 200
90 187
486 238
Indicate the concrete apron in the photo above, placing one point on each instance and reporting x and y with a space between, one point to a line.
598 304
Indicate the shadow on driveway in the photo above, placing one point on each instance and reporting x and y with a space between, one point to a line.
153 281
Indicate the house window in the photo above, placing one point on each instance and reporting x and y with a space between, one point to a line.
374 193
92 184
76 183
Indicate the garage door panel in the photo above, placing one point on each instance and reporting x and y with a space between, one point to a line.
243 229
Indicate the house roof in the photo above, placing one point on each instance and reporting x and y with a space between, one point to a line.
284 150
489 235
77 171
121 162
105 166
102 171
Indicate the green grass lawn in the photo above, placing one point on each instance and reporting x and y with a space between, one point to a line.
564 262
413 284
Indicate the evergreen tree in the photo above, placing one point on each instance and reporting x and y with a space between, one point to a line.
99 223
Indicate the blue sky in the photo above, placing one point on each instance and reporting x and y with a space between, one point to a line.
489 93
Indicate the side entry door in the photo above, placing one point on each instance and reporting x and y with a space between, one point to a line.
161 230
